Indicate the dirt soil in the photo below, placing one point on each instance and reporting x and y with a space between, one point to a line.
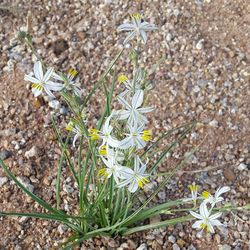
205 76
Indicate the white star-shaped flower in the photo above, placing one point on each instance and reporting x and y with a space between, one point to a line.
134 178
73 127
137 137
217 196
113 169
138 28
134 84
134 112
69 80
194 193
205 219
43 81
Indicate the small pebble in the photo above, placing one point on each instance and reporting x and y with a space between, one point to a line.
3 180
5 154
242 167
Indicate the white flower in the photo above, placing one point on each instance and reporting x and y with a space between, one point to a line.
76 129
69 80
137 137
42 81
117 154
137 28
205 219
134 178
113 169
133 112
194 193
217 196
105 134
133 85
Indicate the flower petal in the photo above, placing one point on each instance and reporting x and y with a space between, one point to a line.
137 99
47 90
126 27
133 186
126 143
215 216
197 224
48 74
196 215
38 70
31 79
145 110
55 86
143 36
122 114
129 37
203 210
221 191
124 102
147 26
36 92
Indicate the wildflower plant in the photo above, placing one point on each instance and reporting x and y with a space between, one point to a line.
116 166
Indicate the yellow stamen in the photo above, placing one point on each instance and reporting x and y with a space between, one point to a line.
70 126
136 16
204 226
122 79
103 172
143 181
36 86
147 135
72 72
93 134
103 150
193 188
205 194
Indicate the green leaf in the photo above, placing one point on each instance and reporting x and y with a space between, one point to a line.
36 215
150 212
158 224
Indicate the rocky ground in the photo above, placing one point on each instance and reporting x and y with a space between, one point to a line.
204 76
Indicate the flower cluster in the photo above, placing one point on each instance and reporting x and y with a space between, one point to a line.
120 155
206 218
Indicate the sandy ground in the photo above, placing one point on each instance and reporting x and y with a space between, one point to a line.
204 77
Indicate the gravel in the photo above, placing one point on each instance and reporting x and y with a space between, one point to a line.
204 77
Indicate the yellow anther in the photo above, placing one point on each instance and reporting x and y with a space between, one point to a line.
36 86
70 126
93 134
122 79
143 181
136 16
103 150
72 72
193 187
205 226
205 194
147 135
103 172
